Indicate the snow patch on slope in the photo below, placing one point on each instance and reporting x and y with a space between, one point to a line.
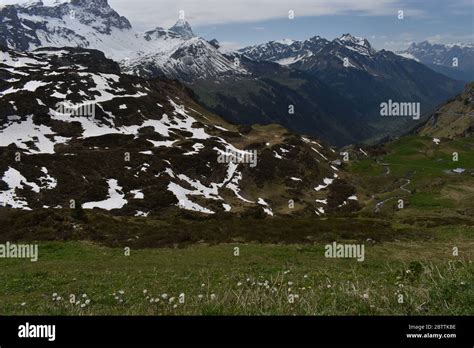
15 180
115 198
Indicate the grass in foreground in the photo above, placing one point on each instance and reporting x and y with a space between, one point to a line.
263 280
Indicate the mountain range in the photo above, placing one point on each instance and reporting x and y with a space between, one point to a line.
454 60
328 89
335 87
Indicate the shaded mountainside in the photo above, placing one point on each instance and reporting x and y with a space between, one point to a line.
374 77
74 128
364 77
275 94
454 119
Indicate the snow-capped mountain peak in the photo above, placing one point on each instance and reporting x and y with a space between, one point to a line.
93 24
355 43
89 23
183 28
287 52
348 38
187 60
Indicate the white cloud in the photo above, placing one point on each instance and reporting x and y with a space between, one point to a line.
147 14
449 38
207 12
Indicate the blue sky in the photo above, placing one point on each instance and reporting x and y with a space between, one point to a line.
432 20
237 23
382 31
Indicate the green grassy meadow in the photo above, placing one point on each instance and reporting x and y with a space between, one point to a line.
435 189
261 280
